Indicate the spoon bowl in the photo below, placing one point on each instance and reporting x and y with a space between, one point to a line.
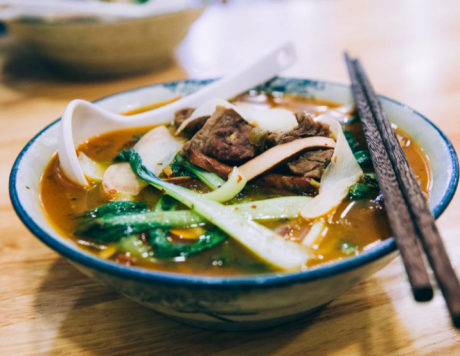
82 119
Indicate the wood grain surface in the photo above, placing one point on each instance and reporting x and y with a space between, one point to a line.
411 51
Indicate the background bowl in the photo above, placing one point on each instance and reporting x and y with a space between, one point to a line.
230 303
96 48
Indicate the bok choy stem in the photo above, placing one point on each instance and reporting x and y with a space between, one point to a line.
263 242
212 180
113 227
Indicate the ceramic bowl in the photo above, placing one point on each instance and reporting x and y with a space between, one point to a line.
230 303
106 49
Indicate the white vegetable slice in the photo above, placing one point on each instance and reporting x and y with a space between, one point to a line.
91 169
157 149
313 235
272 120
342 172
280 153
120 179
235 184
263 242
271 209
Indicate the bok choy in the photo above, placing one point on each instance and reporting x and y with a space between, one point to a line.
115 220
263 242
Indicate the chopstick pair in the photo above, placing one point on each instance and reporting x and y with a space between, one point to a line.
409 215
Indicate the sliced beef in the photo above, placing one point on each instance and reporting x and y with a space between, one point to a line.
194 126
299 185
225 136
302 185
311 163
307 128
210 164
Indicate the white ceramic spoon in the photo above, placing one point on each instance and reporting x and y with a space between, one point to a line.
83 120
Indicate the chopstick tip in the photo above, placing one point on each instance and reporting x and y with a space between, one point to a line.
423 293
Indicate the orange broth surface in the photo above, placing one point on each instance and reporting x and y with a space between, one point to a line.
358 223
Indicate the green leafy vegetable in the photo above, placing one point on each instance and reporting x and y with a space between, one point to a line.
370 179
178 169
135 247
262 241
351 140
353 120
117 208
363 158
163 248
110 228
348 247
212 180
359 191
165 203
106 227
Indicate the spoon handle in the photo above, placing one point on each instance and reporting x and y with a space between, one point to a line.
254 73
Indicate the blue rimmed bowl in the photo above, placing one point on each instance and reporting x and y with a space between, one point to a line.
229 303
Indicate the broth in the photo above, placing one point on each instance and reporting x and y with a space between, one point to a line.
356 225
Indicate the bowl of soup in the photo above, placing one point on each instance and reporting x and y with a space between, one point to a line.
244 213
93 47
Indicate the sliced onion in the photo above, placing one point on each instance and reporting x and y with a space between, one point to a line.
157 149
272 120
342 172
314 233
91 169
271 209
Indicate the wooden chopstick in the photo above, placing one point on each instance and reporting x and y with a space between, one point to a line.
421 215
395 206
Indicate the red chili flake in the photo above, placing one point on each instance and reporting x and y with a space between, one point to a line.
112 191
253 206
239 179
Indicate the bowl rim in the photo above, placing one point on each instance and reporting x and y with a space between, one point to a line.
41 22
78 256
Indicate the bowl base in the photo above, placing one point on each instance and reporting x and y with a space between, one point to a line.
226 324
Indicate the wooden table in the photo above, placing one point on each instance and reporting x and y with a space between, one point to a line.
411 51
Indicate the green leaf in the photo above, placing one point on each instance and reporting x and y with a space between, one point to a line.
178 168
347 247
353 120
263 242
163 248
358 191
370 179
363 158
135 247
121 157
110 228
117 208
351 140
212 180
166 203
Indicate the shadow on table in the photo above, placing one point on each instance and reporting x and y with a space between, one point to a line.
30 76
101 322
